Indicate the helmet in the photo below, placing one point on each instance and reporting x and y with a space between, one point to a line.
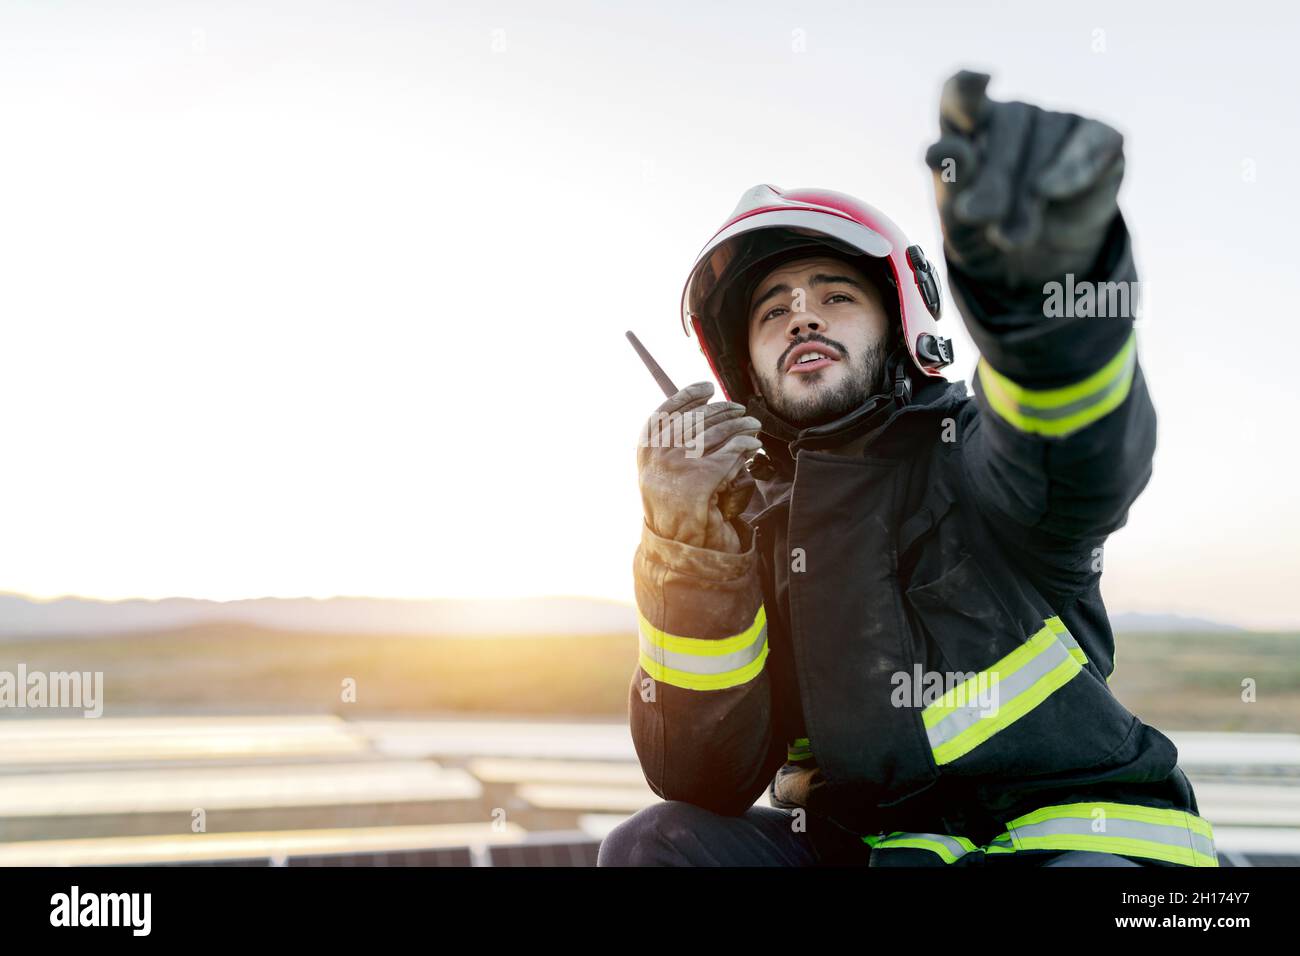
771 226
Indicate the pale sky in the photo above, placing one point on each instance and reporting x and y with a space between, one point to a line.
329 298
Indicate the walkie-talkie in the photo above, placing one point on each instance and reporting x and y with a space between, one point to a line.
760 466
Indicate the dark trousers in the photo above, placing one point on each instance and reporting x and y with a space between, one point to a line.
674 833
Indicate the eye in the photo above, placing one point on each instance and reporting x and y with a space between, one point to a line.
844 295
770 313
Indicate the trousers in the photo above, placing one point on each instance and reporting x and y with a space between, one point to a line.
675 833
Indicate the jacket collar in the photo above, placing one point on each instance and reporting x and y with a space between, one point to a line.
879 416
912 394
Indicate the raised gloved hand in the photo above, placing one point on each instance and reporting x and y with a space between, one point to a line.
691 460
1025 195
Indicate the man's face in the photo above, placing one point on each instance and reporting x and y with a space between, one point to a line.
819 306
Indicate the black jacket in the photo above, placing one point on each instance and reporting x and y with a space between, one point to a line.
964 546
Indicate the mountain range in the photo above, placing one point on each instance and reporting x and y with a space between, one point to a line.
23 616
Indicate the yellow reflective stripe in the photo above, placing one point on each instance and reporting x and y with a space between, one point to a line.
1120 845
1174 836
922 843
697 663
947 747
1123 846
1003 669
703 647
689 681
1063 634
798 749
1120 811
1057 412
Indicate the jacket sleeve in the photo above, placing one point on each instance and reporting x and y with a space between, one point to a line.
1061 438
700 702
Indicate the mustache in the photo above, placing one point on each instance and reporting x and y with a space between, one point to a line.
812 337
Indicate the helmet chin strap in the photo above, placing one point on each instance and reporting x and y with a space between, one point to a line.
867 416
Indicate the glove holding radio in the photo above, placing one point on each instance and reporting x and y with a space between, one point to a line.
691 461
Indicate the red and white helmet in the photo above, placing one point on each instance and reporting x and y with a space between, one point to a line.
771 225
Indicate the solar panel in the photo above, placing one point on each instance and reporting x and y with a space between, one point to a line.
542 851
567 853
455 856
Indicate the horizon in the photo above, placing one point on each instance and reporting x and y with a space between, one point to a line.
1112 613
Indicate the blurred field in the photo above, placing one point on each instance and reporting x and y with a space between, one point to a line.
1178 681
216 668
1194 681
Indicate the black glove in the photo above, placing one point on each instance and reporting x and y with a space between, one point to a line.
1025 195
690 462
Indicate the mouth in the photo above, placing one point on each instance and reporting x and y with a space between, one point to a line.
810 357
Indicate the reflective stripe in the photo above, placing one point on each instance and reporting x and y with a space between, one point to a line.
798 749
703 664
1024 679
1057 412
1174 836
1065 637
949 848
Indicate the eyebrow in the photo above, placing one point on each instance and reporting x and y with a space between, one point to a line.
819 279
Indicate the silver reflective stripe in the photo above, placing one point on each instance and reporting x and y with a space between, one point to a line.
1002 843
1121 381
1059 412
1133 830
693 663
705 663
1175 837
1065 637
947 847
1022 681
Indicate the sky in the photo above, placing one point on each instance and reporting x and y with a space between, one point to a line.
309 299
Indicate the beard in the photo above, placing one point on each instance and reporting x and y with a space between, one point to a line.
865 378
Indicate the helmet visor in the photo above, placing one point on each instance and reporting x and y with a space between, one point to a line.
734 250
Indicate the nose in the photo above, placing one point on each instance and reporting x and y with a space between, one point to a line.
801 323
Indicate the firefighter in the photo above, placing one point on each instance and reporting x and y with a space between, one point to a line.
891 621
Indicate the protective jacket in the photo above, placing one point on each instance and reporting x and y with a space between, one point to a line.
912 643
